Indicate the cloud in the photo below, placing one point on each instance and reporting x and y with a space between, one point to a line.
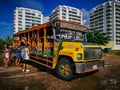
33 4
85 16
46 19
84 21
85 13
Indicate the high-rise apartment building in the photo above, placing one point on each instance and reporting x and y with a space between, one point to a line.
106 17
26 18
66 13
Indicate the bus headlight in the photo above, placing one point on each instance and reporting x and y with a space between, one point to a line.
79 56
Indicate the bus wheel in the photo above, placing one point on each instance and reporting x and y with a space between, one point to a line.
65 69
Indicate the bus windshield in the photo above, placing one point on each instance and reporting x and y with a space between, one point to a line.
69 35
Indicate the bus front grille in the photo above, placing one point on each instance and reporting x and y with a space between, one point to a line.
92 53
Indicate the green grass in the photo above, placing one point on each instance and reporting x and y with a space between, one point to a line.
115 52
118 53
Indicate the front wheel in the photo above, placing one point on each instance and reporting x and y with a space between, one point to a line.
65 69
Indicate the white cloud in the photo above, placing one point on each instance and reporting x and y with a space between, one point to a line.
84 21
85 16
85 13
46 19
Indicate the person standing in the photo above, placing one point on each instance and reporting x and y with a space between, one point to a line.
23 44
18 55
7 55
26 58
20 46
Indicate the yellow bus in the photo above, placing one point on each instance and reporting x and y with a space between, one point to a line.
61 45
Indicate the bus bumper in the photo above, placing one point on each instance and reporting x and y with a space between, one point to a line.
89 66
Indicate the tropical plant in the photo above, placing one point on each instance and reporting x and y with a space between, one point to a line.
2 45
3 42
9 40
98 36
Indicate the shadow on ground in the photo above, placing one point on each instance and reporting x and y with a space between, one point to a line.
48 80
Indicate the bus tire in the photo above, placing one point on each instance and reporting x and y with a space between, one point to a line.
65 69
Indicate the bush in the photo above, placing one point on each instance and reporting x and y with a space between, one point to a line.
1 60
118 53
2 45
115 52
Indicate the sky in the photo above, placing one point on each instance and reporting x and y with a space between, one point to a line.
7 8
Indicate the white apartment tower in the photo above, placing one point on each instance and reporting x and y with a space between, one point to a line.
66 13
26 18
106 17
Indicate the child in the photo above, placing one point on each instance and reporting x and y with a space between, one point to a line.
26 58
7 55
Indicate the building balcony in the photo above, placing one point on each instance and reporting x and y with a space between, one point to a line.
98 16
28 14
118 15
109 20
92 27
98 9
117 19
118 12
117 27
109 23
117 34
91 17
108 16
109 27
118 7
117 31
75 17
117 24
109 7
70 14
109 30
117 38
110 35
98 13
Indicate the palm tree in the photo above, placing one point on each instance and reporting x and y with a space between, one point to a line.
9 40
98 36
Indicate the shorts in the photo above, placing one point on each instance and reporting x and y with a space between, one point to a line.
25 61
6 55
18 55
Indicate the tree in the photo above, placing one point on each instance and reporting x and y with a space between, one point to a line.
98 36
2 45
9 40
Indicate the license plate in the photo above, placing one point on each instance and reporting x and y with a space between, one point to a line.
94 66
